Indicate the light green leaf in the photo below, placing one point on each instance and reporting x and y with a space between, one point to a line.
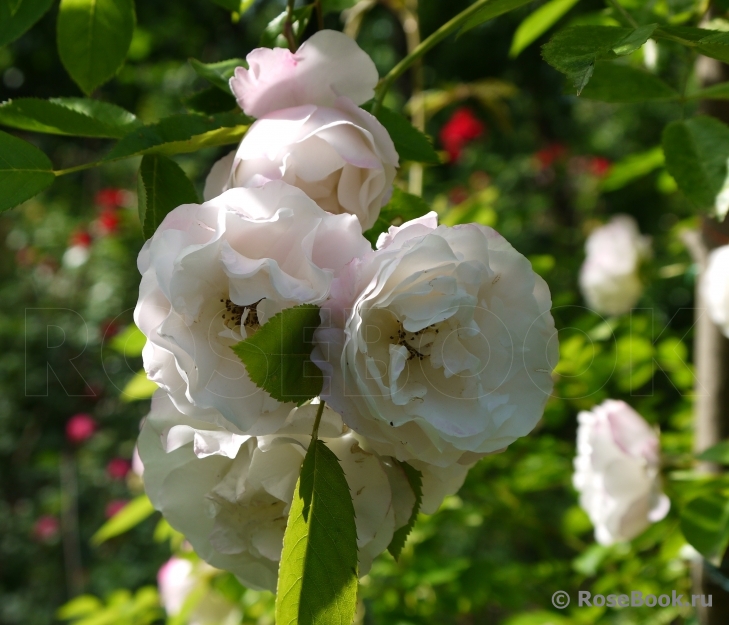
538 23
415 479
68 116
317 581
131 515
78 607
210 101
129 342
618 83
24 171
696 152
410 143
705 523
93 39
218 73
490 11
273 36
631 168
401 207
718 453
16 17
277 356
164 187
138 388
634 40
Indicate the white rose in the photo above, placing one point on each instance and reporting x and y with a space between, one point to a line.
310 132
715 287
617 472
439 346
231 499
212 274
178 579
609 277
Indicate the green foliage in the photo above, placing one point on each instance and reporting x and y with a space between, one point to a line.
24 171
231 5
318 576
219 73
93 39
401 207
632 167
129 341
68 116
278 356
209 102
718 453
491 9
138 387
618 83
705 523
121 608
273 34
164 186
410 143
696 152
712 43
336 6
128 517
415 479
538 23
17 16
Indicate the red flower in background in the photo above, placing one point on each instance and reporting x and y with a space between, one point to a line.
462 128
108 222
110 198
599 166
551 154
80 237
113 507
118 468
80 427
46 528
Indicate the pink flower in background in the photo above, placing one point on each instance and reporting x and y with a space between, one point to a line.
113 507
110 198
46 528
462 128
118 468
80 427
546 157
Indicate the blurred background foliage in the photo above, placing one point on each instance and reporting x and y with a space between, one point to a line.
541 167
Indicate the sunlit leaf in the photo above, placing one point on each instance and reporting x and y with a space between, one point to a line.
131 515
24 171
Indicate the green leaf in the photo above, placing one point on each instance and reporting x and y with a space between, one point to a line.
218 73
138 388
93 39
712 43
705 523
273 33
415 479
336 6
78 607
165 186
210 101
490 11
718 453
127 518
17 16
24 171
635 40
317 581
410 143
618 83
78 117
631 168
230 5
277 356
129 342
401 207
696 152
715 92
538 23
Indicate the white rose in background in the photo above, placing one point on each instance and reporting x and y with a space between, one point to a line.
715 287
617 472
230 495
609 277
439 346
212 274
178 579
310 132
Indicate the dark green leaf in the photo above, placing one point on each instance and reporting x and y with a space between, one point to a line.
68 116
273 34
708 42
24 171
634 40
490 11
538 23
231 5
696 156
718 453
401 207
17 17
415 479
210 101
705 523
715 92
277 357
165 186
317 581
336 6
93 39
127 518
410 143
218 73
615 82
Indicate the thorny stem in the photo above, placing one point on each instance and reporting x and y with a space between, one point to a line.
317 421
288 29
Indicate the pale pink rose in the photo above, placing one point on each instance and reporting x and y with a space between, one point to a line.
715 287
617 471
439 346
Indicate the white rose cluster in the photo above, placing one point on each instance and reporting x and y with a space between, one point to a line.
436 348
617 472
